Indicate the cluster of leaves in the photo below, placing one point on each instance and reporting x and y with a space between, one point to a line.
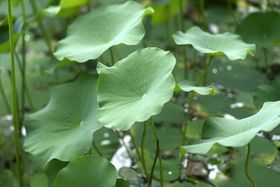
168 75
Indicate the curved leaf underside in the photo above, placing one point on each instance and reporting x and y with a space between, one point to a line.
64 128
215 44
135 88
236 133
189 86
87 171
91 35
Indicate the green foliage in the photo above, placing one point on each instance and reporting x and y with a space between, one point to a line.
135 88
63 130
87 171
236 133
189 86
215 44
117 24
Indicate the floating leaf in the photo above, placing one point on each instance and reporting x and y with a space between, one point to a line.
236 133
189 86
215 44
64 128
87 171
91 35
261 28
135 88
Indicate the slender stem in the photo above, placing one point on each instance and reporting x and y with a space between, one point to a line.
112 56
202 9
204 75
41 25
23 75
202 78
246 167
142 151
232 12
265 55
6 103
134 144
167 33
14 93
181 4
185 61
97 149
158 154
23 52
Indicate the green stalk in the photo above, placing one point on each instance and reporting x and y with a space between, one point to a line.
265 55
112 56
6 103
23 52
14 93
232 12
24 87
158 155
181 7
204 75
143 153
134 144
246 167
41 25
202 78
202 9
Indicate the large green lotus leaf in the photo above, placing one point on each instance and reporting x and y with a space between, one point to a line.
215 44
64 128
189 86
91 35
87 171
236 133
261 28
135 88
268 92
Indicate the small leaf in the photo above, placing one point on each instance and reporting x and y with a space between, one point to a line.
92 34
64 128
236 133
87 171
215 44
189 86
135 88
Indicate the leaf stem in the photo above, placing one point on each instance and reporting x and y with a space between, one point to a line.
181 7
265 55
142 151
232 12
6 103
14 93
204 75
246 167
158 155
41 25
23 53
